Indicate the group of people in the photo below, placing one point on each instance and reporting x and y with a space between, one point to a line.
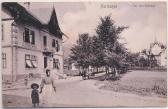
47 88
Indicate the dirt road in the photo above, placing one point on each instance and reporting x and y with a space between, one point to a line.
79 93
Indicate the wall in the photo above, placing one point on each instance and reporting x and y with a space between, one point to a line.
7 72
20 48
21 69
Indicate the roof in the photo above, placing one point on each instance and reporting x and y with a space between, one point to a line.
21 14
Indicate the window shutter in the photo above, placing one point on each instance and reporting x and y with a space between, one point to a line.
33 37
44 40
27 37
23 36
54 63
2 31
57 47
53 43
58 64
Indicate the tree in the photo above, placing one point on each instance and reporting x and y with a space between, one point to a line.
97 52
143 62
103 49
81 53
108 33
132 59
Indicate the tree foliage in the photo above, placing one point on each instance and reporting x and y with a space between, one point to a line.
102 49
81 53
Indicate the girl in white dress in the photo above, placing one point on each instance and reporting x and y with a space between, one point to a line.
48 88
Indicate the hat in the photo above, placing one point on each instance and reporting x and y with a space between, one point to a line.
34 84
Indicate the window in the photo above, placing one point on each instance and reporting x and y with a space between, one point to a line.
56 63
31 61
2 27
45 40
14 28
3 60
32 37
26 36
14 31
57 47
53 43
29 36
34 61
45 62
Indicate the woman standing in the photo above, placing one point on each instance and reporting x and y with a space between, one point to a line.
47 87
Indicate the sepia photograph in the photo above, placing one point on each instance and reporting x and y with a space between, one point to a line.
86 54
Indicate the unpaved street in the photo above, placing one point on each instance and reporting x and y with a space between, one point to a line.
79 93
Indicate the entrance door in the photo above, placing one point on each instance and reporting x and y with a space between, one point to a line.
45 62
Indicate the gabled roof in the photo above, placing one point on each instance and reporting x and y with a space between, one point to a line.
19 13
53 24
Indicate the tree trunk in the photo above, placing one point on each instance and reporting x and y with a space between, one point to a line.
97 69
107 73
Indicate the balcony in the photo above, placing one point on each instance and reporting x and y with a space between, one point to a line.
47 52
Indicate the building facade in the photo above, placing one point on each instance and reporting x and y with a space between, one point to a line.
28 45
159 51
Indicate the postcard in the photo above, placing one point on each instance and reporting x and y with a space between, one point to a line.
84 54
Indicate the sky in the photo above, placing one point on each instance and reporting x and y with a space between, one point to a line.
146 20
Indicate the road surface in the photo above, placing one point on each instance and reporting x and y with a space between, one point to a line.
82 93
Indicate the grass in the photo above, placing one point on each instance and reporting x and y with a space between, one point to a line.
161 90
145 83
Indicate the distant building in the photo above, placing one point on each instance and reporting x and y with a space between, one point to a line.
158 50
28 45
72 66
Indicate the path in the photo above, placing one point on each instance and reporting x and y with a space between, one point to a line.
79 93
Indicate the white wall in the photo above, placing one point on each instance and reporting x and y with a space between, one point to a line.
7 70
38 41
49 42
164 59
23 48
21 61
6 33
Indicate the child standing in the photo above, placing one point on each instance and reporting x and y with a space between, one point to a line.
35 95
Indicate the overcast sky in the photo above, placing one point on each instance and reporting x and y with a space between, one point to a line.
146 20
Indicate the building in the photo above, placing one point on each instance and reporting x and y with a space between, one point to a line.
28 45
159 51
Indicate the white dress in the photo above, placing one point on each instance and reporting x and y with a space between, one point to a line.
48 93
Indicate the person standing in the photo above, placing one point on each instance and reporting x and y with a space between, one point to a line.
35 95
47 88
